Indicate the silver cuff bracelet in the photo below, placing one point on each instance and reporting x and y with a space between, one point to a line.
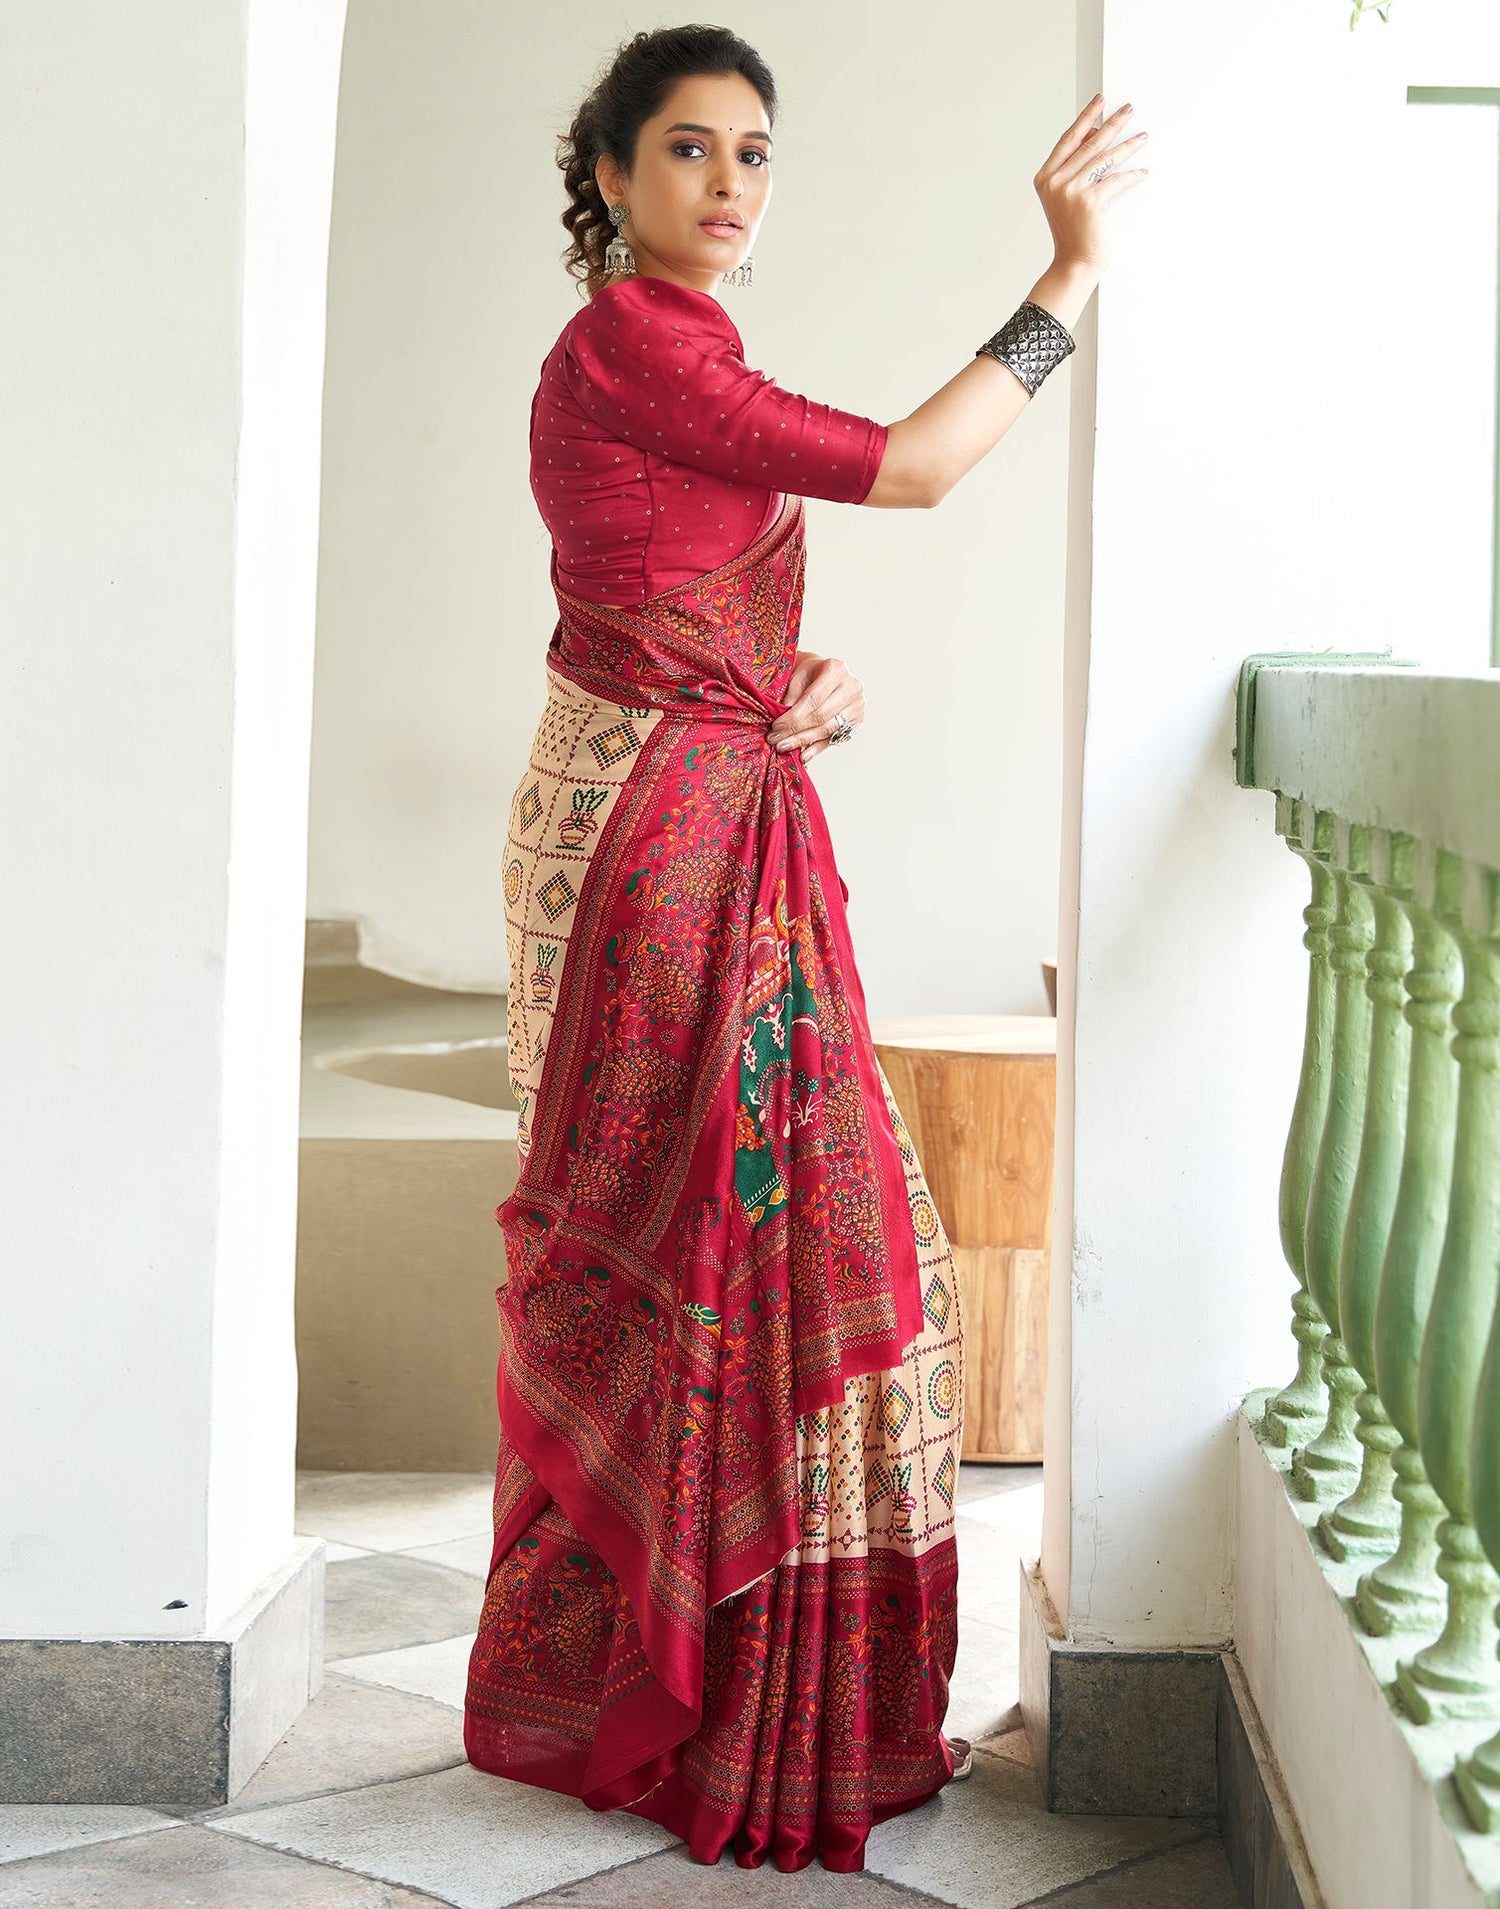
1031 342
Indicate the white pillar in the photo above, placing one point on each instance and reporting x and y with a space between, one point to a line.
1242 387
165 205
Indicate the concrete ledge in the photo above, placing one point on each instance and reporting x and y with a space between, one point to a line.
162 1721
1370 1788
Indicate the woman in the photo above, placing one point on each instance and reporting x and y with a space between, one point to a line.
722 1590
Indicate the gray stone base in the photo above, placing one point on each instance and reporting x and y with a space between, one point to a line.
1159 1733
1256 1819
1115 1732
182 1721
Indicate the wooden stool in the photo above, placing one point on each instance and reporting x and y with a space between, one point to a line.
979 1095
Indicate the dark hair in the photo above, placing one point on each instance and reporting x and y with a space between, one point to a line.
631 90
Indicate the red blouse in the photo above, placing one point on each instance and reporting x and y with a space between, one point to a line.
658 454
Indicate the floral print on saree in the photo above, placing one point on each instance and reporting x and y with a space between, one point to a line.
722 1589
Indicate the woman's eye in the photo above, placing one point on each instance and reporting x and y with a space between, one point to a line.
692 145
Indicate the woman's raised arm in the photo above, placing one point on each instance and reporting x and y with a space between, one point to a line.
946 436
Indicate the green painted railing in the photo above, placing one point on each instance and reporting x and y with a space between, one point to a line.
1387 786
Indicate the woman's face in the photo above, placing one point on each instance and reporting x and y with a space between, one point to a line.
706 154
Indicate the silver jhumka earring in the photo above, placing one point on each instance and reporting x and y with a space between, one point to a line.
619 260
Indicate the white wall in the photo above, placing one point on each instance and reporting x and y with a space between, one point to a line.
155 575
1258 419
446 292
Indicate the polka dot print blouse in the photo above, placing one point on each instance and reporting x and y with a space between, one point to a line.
657 453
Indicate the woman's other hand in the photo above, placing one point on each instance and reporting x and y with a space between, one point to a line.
820 688
1073 202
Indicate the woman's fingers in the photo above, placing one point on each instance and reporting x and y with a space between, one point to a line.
831 692
1072 198
818 684
822 737
1077 131
1088 126
803 672
1115 182
821 727
1097 148
802 685
818 724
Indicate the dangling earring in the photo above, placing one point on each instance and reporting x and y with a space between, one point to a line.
619 260
741 275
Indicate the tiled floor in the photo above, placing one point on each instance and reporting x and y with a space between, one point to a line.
368 1801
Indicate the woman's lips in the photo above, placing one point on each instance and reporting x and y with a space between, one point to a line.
721 228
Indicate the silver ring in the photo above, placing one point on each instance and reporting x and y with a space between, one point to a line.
1099 171
843 729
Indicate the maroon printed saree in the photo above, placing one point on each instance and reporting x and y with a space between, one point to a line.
722 1589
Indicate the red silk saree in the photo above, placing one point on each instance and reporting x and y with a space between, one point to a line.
722 1592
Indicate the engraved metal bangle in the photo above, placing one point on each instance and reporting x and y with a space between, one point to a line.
1031 342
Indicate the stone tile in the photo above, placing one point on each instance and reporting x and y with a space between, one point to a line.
989 1844
1018 1513
976 1481
1010 1742
987 1576
352 1733
439 1671
1195 1876
475 1840
33 1829
190 1868
986 1680
394 1511
460 1554
1012 1748
387 1601
674 1881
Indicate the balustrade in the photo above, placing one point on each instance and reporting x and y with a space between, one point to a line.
1386 788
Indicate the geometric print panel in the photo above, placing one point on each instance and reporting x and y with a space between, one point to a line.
583 752
614 744
936 1302
945 1478
556 894
896 1408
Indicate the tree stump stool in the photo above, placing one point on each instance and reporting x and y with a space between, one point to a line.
979 1095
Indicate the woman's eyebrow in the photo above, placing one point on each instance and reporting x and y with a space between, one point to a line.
682 126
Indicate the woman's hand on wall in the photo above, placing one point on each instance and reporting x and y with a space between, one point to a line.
1074 202
819 688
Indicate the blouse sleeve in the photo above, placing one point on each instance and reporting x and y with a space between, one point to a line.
647 361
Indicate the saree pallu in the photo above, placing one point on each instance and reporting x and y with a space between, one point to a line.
722 1591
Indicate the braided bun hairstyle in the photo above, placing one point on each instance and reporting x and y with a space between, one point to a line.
631 90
